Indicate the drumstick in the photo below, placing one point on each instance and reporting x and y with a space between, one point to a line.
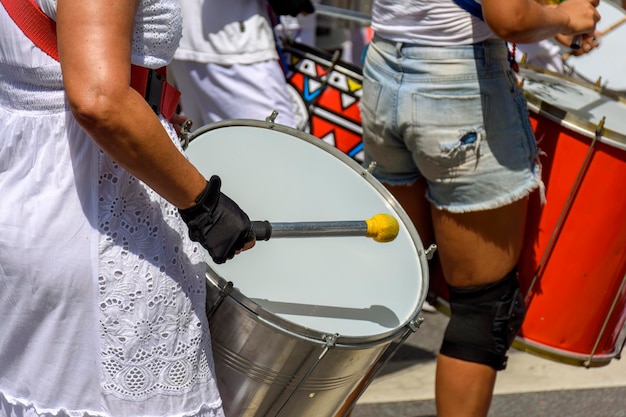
603 33
381 228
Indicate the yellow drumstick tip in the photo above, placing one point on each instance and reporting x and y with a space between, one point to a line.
382 228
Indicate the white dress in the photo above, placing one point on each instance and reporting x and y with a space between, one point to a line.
102 294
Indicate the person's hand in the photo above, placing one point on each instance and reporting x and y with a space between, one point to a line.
582 14
178 120
218 224
292 7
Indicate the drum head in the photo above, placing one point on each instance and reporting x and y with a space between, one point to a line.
351 286
607 62
580 106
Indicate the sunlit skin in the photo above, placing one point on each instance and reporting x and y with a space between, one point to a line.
97 83
482 247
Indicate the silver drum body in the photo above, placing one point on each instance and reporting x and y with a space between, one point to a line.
300 326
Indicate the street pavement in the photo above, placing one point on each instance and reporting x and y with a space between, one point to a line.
531 386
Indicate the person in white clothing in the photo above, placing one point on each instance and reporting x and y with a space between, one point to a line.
446 123
102 287
227 65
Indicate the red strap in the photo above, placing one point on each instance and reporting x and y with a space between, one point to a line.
35 24
41 30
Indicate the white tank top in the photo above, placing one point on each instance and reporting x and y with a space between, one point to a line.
427 22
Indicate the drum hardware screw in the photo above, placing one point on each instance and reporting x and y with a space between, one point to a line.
272 117
600 127
598 82
414 325
371 167
331 339
430 252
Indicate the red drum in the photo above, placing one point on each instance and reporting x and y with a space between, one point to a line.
326 93
573 264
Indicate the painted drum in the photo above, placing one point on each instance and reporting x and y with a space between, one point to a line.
573 264
300 325
326 92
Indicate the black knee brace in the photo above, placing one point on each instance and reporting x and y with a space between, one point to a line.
484 321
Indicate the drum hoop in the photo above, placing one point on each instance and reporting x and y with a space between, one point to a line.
296 329
570 120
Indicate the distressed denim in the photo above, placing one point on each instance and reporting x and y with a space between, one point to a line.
453 115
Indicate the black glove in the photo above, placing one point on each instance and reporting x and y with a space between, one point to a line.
217 222
291 7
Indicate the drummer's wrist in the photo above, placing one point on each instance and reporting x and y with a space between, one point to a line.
194 192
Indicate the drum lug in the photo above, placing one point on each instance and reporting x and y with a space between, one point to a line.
223 293
272 117
184 133
330 340
414 325
429 252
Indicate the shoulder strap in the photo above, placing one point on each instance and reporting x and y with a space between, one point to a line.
35 24
471 7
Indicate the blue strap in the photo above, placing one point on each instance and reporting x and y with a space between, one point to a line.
471 7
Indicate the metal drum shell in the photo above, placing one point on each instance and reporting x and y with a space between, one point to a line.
270 364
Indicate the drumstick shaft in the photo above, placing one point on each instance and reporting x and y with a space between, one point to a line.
613 26
381 227
308 229
603 33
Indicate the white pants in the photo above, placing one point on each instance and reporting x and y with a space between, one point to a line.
212 92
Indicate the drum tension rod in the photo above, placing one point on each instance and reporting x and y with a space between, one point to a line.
430 252
223 293
271 119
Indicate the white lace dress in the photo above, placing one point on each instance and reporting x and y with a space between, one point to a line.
101 292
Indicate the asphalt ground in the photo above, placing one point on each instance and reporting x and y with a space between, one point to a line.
531 386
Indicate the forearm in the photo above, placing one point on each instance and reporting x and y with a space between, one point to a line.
94 39
131 134
527 21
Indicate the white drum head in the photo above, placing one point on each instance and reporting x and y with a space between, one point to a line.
352 286
607 62
578 103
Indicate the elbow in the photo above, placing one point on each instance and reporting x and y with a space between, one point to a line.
94 108
514 28
509 32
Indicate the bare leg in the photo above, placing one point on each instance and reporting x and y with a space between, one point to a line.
474 248
412 200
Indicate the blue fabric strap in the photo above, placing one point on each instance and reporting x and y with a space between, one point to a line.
471 7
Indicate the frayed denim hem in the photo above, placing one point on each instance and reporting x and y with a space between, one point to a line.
535 183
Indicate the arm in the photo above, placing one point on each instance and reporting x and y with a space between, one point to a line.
94 39
527 21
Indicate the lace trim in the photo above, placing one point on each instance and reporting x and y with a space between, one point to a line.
14 407
150 284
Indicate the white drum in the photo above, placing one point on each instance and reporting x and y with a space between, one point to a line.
606 64
299 325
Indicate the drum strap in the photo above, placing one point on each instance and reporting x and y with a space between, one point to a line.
41 30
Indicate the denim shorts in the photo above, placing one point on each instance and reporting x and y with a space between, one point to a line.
453 115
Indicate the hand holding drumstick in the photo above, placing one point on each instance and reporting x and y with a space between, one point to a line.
590 42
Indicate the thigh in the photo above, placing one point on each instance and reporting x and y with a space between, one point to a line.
479 247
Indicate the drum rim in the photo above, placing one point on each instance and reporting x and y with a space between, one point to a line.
299 330
569 119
